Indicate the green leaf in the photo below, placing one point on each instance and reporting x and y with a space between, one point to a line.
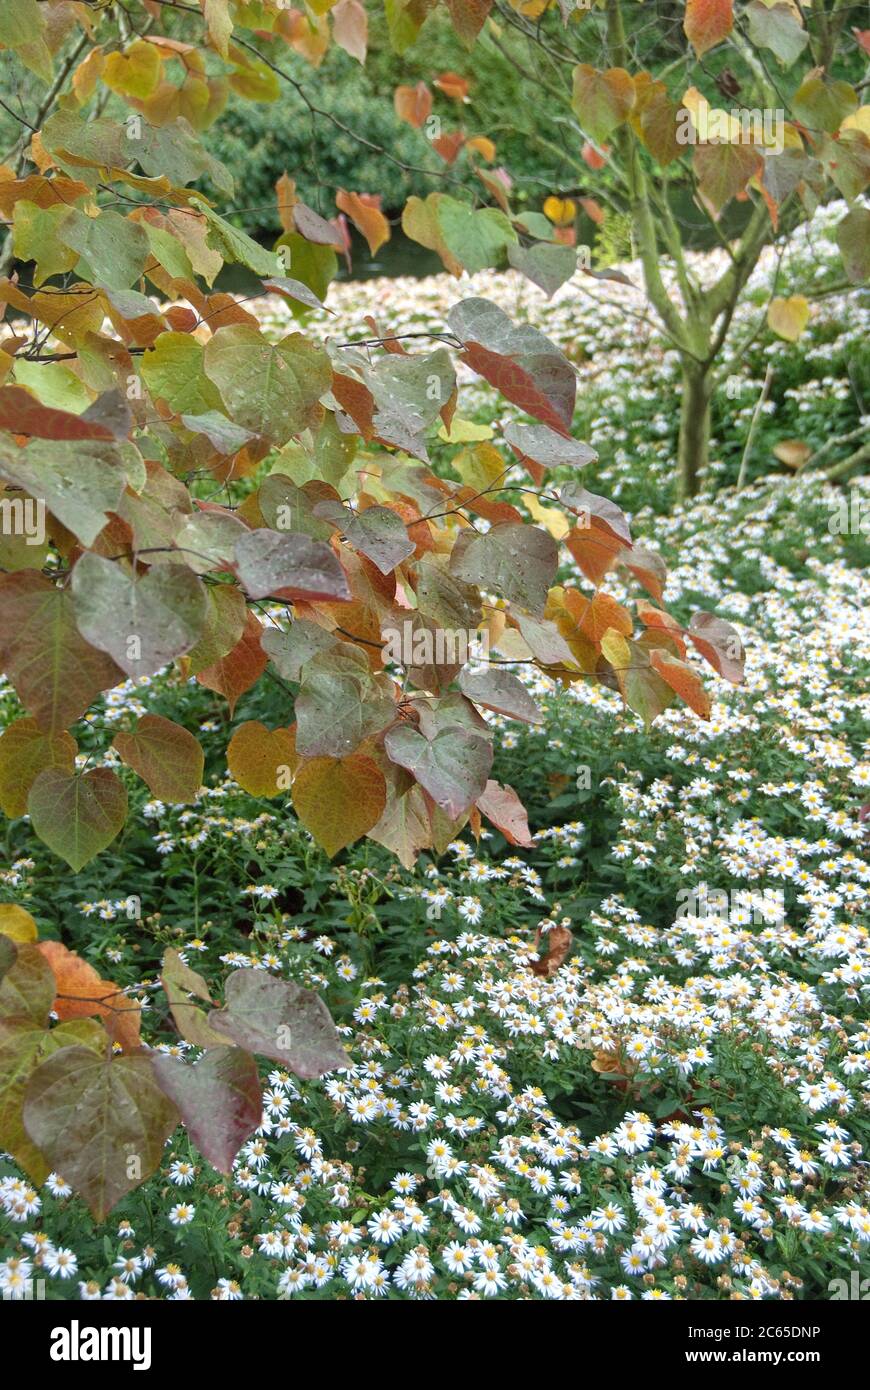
206 541
602 100
271 388
291 564
173 371
112 250
644 689
377 532
55 672
219 1099
23 1045
547 266
340 703
823 104
36 238
290 649
514 560
79 480
853 239
174 150
179 983
101 1122
235 245
77 816
23 28
27 987
404 21
314 266
502 692
288 507
168 250
222 434
453 767
546 447
225 618
143 623
278 1019
776 27
409 394
477 238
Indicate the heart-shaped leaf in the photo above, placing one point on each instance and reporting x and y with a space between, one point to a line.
339 800
77 816
101 1122
279 1019
143 623
219 1098
165 755
453 767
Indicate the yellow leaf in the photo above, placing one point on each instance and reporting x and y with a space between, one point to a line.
464 431
556 523
17 923
220 24
338 800
788 317
560 210
859 120
616 649
262 761
136 72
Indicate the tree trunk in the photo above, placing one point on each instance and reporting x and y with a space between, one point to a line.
693 449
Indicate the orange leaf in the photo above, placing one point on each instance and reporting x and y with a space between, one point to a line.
413 104
503 808
452 85
363 209
285 190
595 615
81 993
707 23
594 550
239 669
483 145
591 156
448 146
681 678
